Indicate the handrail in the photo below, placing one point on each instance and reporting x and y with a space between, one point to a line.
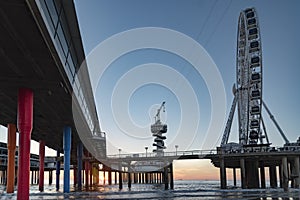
165 154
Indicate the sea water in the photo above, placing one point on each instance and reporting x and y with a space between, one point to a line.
182 190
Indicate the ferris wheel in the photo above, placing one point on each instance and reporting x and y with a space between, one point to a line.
248 88
249 78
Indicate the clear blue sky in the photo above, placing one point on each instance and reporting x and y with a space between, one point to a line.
213 24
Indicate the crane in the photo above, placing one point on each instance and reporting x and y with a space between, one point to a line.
157 129
157 116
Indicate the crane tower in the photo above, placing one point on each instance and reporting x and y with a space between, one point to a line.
158 129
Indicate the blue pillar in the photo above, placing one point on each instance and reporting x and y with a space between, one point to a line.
57 170
79 164
67 152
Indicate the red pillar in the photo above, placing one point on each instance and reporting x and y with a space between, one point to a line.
42 161
25 121
11 146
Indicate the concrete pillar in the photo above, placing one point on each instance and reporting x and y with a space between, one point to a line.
296 172
134 178
234 176
243 173
79 165
129 180
42 162
273 177
75 175
262 175
37 177
223 174
57 170
11 147
285 177
96 175
252 174
50 177
171 177
120 180
116 178
147 177
67 158
166 178
25 122
109 177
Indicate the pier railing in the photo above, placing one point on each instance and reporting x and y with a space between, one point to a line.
171 154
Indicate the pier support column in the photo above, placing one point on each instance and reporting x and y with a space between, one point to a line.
234 176
171 177
79 165
147 178
296 172
91 172
109 177
166 178
67 157
120 180
25 122
75 175
223 174
262 175
11 147
243 173
50 177
273 178
42 162
285 177
252 174
134 178
57 170
129 180
96 175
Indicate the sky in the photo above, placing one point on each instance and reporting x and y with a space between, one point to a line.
213 25
134 82
192 68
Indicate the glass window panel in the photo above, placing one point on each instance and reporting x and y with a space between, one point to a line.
73 56
62 39
46 16
70 61
69 73
52 10
59 50
65 27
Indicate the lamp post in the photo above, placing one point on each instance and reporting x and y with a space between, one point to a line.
120 153
176 146
146 150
